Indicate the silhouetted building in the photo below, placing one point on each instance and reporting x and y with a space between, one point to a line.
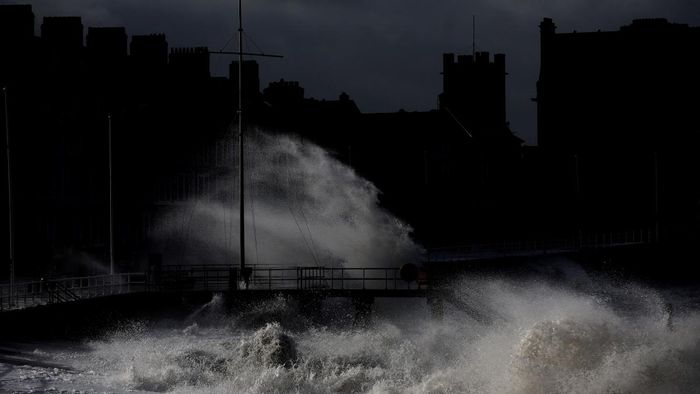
63 32
62 38
284 94
474 90
285 100
17 44
190 63
106 46
251 84
618 124
16 24
148 62
328 123
635 87
149 52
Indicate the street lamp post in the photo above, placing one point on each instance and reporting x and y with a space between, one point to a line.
111 210
9 197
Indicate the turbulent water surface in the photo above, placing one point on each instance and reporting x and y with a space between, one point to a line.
589 336
577 334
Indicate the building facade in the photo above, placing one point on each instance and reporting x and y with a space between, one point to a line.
618 124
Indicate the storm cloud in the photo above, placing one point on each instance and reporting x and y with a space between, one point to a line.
385 53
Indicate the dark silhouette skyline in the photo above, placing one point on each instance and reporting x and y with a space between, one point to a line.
457 173
381 53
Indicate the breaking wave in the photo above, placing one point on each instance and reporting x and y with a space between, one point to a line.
541 338
304 207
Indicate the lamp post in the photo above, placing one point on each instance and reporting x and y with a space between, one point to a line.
579 203
656 196
9 197
111 210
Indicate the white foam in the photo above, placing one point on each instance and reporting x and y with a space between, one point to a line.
546 339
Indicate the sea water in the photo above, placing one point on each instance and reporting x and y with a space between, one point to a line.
577 333
580 336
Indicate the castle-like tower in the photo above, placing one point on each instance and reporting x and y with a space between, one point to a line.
474 90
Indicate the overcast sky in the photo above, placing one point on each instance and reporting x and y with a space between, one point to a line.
385 53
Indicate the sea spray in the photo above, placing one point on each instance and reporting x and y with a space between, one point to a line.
549 337
309 209
213 312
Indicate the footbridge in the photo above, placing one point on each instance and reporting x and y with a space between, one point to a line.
362 284
356 283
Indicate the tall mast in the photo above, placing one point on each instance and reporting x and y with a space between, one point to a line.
111 198
240 140
239 113
9 197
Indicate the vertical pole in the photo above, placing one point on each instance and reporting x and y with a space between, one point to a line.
425 168
578 180
240 140
578 199
111 202
656 196
9 198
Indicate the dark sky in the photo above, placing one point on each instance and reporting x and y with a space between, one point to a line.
385 53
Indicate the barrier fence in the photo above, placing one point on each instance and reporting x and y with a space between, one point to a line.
223 277
184 278
190 278
52 291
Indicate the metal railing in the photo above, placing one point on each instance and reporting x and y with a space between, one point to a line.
189 278
229 278
52 291
226 277
533 248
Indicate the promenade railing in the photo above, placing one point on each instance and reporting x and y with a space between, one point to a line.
59 290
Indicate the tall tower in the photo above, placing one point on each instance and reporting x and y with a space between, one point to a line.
474 90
